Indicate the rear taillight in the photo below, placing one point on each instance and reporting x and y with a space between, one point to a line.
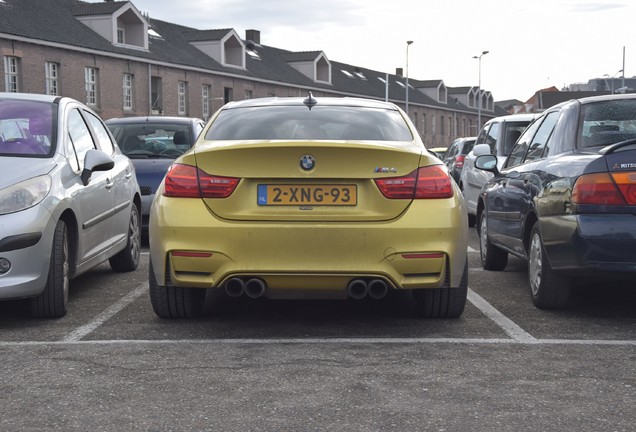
459 161
596 189
423 183
626 182
186 181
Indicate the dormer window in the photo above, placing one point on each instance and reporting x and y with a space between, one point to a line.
442 93
313 64
223 45
118 22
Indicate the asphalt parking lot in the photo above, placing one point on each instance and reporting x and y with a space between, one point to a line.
111 364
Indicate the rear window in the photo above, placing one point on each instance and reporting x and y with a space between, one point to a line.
468 146
608 122
151 139
300 123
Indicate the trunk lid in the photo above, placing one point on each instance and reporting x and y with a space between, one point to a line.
275 186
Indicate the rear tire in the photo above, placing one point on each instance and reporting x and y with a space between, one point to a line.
445 302
492 258
174 302
53 302
128 259
549 290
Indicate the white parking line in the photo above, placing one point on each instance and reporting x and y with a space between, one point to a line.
512 329
335 341
113 310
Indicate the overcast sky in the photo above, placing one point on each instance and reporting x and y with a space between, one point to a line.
532 44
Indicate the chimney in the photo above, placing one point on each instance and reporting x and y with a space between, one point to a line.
254 36
398 72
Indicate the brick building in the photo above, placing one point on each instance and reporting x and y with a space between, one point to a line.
121 62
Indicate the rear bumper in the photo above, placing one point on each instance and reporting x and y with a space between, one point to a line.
412 251
592 243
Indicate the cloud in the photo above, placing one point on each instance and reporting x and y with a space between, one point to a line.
596 7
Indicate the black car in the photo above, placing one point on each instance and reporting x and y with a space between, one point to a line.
153 142
565 199
456 153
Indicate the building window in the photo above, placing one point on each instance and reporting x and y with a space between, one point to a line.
52 74
12 74
450 126
90 81
182 94
156 90
228 95
128 91
121 35
424 124
205 99
248 94
441 126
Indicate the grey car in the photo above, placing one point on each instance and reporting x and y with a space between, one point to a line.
69 200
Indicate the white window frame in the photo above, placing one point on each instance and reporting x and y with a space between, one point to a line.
12 74
127 84
121 35
90 80
205 100
182 92
52 78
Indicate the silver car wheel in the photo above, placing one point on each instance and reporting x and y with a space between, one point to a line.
65 271
483 239
135 235
534 264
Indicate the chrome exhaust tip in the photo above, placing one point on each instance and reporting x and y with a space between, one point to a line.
357 289
255 288
377 289
235 287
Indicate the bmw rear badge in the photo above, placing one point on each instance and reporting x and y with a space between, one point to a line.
307 162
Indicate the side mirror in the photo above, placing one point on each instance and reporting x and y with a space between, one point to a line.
487 162
481 149
95 160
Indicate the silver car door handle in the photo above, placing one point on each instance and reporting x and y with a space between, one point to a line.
109 183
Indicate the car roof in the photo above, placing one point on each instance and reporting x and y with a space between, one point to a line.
514 117
29 97
603 98
151 119
330 101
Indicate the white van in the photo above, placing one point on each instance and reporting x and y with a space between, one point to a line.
496 137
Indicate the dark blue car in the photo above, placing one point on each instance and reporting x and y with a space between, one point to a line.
565 199
152 143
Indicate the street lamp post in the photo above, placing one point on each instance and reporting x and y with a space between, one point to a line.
611 88
483 53
613 78
407 76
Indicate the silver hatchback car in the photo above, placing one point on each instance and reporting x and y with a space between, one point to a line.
69 199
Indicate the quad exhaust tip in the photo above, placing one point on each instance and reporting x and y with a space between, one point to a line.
252 287
359 289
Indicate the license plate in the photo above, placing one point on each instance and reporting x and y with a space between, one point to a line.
316 195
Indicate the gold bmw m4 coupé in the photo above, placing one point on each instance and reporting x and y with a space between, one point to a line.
308 198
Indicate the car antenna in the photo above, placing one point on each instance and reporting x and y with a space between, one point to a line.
309 101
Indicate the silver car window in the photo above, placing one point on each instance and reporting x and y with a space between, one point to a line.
80 137
101 134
